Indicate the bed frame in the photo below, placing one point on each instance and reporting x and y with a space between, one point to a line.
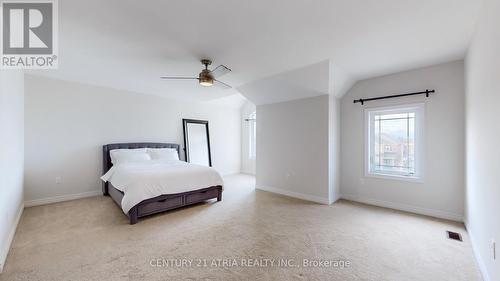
160 203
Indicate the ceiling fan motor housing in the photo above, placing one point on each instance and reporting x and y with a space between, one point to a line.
206 78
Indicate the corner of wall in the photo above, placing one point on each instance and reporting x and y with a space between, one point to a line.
10 238
333 148
476 251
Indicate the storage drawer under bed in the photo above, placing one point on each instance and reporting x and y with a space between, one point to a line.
201 196
161 205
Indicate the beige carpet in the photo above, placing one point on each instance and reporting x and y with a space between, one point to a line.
90 239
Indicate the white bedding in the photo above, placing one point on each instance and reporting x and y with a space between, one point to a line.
148 179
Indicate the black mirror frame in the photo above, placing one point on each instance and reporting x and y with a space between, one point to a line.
185 122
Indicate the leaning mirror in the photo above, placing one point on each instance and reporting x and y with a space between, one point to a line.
197 142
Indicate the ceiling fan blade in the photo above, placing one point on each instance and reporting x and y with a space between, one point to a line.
178 78
221 84
219 71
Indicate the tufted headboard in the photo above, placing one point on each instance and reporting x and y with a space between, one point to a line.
106 164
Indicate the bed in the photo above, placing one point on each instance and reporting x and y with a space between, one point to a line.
162 202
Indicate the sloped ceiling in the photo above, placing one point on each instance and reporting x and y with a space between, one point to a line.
323 78
304 82
128 44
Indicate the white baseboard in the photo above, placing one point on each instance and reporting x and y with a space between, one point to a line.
247 173
477 254
307 197
5 251
61 198
407 208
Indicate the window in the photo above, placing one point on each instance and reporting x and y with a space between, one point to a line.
394 141
252 133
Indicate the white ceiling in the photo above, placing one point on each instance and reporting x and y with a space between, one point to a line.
128 44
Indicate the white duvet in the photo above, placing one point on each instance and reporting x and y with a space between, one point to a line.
144 180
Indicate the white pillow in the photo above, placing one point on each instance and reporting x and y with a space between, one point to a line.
163 153
129 155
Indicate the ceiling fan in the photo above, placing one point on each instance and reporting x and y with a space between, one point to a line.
207 77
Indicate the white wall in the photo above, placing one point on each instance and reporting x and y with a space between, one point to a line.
67 123
483 138
292 148
442 192
247 164
11 156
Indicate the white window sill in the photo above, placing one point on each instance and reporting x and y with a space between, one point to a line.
394 177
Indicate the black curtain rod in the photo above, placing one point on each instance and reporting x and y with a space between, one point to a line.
426 93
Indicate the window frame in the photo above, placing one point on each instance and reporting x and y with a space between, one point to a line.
252 136
419 109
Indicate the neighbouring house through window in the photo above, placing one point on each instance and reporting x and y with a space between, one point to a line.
394 141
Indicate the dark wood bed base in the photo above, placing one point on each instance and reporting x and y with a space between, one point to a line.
160 203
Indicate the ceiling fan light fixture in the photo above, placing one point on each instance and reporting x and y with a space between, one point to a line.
207 82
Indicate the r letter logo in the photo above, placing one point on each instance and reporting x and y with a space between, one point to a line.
29 34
